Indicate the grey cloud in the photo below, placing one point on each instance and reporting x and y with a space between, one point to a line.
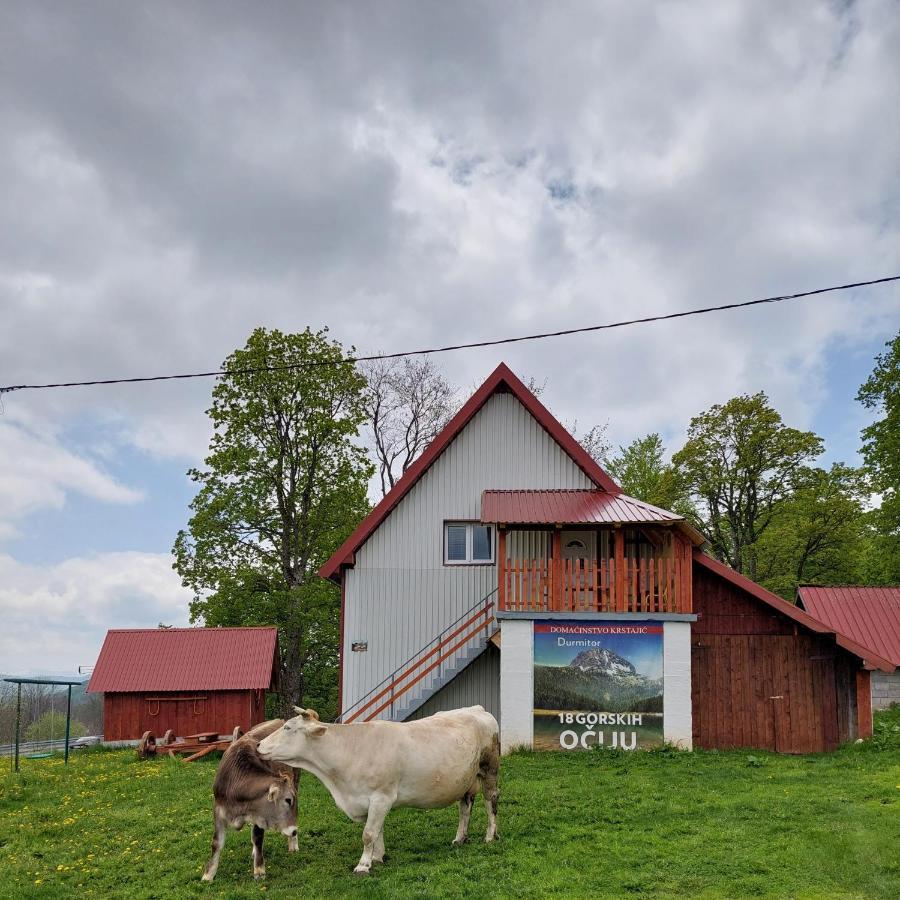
179 173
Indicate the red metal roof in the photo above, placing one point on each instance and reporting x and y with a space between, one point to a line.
185 659
870 615
843 639
571 507
501 379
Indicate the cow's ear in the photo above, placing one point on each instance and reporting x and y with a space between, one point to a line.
316 731
273 793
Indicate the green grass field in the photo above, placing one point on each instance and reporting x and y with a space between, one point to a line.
602 823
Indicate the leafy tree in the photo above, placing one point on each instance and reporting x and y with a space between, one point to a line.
51 726
283 485
881 453
817 535
740 463
641 471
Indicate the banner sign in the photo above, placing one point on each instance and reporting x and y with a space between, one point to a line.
598 684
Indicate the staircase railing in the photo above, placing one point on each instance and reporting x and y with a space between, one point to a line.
424 661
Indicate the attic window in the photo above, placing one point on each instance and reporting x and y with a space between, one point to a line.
468 543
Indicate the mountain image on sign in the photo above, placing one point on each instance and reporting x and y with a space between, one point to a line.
598 678
601 661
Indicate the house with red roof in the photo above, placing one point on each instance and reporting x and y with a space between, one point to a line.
190 680
871 615
507 568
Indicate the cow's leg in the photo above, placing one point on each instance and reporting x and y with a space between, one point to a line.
259 860
378 853
220 829
379 806
465 811
490 772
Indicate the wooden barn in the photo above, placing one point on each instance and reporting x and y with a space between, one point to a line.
767 674
190 680
507 568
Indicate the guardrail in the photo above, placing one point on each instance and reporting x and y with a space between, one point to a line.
26 747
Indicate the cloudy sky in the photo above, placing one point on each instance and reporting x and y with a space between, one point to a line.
173 175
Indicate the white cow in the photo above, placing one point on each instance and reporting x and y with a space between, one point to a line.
371 767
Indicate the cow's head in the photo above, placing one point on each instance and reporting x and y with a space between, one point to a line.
292 743
281 814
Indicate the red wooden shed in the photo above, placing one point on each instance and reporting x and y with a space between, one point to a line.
767 674
191 680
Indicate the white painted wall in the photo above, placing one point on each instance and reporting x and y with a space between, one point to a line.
516 684
677 716
399 595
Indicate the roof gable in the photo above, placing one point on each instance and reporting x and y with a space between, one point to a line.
870 615
801 617
502 379
185 659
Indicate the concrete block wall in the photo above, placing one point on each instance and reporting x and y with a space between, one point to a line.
677 710
516 684
885 689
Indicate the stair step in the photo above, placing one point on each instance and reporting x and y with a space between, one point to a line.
450 669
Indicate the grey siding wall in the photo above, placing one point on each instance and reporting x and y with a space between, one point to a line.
478 683
400 595
885 689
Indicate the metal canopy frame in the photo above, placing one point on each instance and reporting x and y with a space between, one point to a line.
65 682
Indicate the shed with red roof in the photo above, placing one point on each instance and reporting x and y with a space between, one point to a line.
871 616
190 680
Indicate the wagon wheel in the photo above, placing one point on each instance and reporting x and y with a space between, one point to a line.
147 747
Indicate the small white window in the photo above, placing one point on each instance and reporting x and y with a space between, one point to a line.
468 543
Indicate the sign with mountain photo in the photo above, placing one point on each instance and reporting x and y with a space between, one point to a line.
598 684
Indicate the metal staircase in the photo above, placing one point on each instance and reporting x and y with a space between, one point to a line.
429 668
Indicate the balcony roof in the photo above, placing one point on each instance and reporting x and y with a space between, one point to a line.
577 507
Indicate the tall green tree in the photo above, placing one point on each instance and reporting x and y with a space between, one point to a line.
881 453
817 534
642 472
740 462
283 485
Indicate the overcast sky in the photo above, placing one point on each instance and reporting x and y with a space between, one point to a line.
173 175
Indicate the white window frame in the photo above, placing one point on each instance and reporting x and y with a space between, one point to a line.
468 561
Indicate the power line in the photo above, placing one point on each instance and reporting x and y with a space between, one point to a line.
488 343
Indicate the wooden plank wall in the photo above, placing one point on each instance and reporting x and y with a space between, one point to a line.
126 716
760 680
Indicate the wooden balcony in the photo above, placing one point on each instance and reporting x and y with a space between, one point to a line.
655 580
619 584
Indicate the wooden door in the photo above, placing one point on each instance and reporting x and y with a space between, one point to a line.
774 692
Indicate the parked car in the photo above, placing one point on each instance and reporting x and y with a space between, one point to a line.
89 740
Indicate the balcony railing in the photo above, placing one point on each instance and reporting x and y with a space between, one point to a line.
654 585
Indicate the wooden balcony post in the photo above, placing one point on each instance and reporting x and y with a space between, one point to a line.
620 604
501 567
684 573
556 580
